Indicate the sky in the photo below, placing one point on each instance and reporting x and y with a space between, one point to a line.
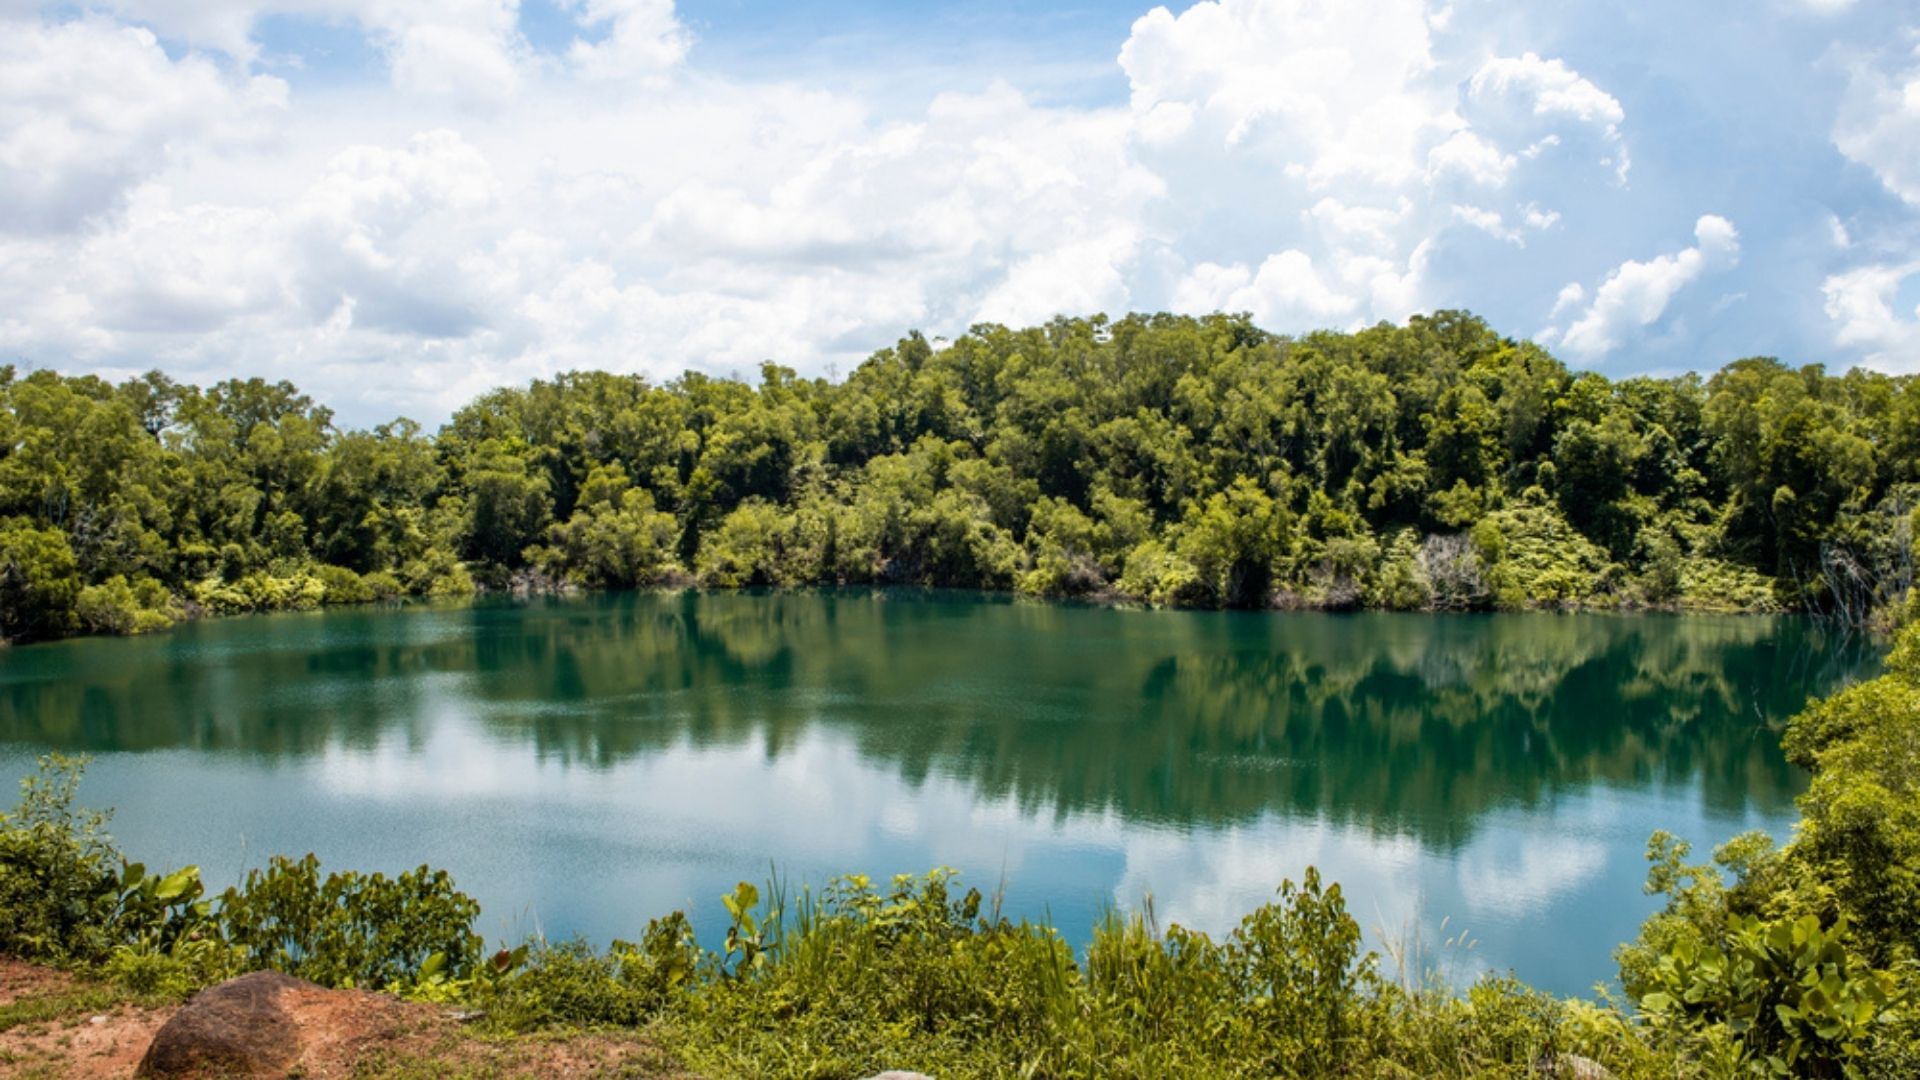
400 204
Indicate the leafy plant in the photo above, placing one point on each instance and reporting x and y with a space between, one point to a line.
1787 992
350 929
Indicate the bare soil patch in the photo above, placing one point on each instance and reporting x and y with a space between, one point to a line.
54 1026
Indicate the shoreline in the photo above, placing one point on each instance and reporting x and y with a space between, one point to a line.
1106 599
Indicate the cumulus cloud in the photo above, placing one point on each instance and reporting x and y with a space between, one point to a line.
1495 224
1879 122
1526 94
88 108
1467 154
469 262
643 38
1338 129
1636 294
471 51
1337 89
485 210
1287 290
1861 303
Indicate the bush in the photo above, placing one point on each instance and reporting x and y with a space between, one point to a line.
174 971
116 607
1708 584
574 984
59 879
384 585
437 573
340 585
1791 994
1533 556
1159 576
39 581
350 929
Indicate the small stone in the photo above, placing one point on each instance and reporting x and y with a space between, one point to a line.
895 1074
1573 1067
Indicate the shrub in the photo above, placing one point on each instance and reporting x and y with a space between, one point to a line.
340 585
1160 576
1709 584
39 581
350 929
574 984
116 607
58 870
384 585
1533 556
1788 991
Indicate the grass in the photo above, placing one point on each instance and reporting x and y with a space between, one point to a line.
63 1005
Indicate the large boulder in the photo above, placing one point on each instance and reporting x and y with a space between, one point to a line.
266 1023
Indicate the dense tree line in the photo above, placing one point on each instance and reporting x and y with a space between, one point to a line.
1169 459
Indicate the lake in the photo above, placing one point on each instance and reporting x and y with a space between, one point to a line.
1482 786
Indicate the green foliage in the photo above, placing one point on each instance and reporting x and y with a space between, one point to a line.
1788 993
615 539
1535 556
116 607
1159 458
340 585
349 929
173 972
39 581
574 984
1805 963
58 876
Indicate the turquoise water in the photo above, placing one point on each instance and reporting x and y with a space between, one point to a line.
1483 786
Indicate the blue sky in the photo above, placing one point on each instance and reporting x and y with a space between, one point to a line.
399 203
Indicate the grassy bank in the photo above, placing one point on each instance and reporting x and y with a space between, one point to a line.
1796 960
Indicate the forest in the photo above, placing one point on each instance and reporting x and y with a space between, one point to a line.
1157 459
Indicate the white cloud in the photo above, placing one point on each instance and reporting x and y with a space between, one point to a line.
1489 222
1879 123
1288 292
1860 302
1547 91
1333 90
454 61
1467 154
486 210
1494 224
88 108
1636 294
711 228
643 38
465 50
1335 129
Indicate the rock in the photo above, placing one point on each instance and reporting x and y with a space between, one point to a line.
264 1024
1572 1067
895 1074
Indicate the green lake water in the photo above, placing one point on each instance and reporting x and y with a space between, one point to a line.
583 764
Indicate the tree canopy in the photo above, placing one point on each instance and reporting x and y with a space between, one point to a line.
1169 459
